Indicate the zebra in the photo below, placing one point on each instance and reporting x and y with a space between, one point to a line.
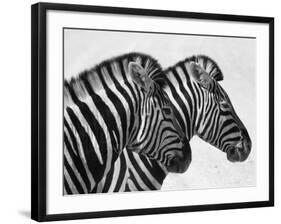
115 105
202 108
132 172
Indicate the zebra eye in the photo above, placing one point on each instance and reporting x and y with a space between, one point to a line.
223 103
167 111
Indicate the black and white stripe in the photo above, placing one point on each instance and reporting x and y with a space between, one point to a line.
113 106
144 174
202 108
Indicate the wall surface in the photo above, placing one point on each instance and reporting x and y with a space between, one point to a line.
15 110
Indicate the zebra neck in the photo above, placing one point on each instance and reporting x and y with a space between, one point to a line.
186 97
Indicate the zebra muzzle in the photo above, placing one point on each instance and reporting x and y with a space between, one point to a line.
240 151
180 163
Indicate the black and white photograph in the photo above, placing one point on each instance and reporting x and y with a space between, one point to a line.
141 112
157 111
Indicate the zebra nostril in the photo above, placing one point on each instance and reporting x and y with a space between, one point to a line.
240 152
231 151
232 154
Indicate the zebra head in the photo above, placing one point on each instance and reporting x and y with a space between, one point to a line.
157 133
218 124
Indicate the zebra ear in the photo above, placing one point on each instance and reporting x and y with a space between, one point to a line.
201 76
139 75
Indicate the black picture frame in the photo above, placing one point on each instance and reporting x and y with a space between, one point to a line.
39 121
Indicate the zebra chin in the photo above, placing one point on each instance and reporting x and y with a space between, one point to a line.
179 164
241 151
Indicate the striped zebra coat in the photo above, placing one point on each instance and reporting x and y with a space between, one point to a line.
113 106
202 108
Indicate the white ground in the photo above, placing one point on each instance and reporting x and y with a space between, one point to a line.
235 56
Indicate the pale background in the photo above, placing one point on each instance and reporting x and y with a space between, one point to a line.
15 151
235 56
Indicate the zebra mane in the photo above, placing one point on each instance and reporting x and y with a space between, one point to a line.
207 63
146 61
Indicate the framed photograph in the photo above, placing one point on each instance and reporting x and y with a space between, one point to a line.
139 111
